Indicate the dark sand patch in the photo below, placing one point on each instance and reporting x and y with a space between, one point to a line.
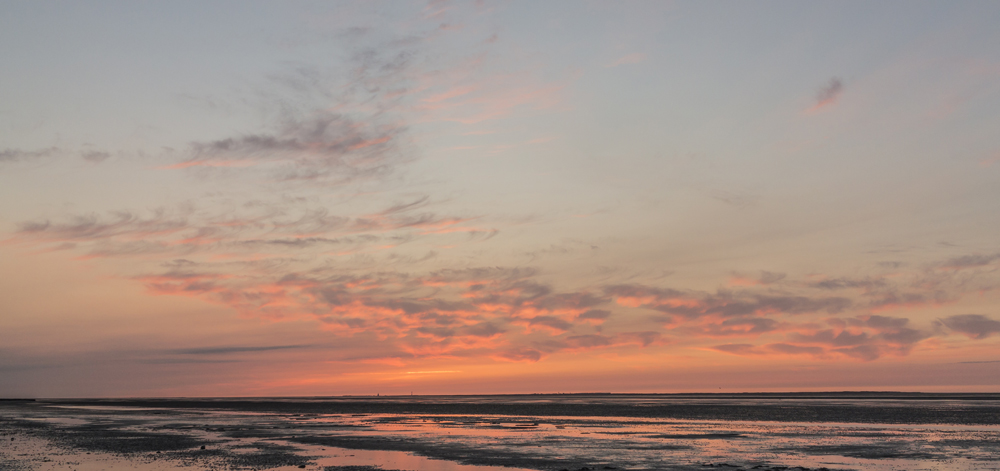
872 451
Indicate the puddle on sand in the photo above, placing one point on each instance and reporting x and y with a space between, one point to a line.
388 460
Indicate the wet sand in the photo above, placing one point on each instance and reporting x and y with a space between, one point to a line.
483 433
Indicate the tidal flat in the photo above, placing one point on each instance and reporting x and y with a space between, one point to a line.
564 432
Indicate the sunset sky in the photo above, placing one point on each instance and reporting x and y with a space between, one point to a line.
326 198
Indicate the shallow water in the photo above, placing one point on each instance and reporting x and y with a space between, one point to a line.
259 435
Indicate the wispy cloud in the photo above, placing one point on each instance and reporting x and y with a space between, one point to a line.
19 155
323 146
231 350
970 261
828 95
188 230
631 58
94 227
95 156
763 278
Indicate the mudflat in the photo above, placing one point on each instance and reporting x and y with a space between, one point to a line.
596 432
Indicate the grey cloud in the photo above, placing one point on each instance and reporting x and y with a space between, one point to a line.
528 293
481 274
905 337
95 156
228 350
861 352
891 264
93 227
795 349
563 248
893 298
352 322
417 306
726 304
891 335
34 226
521 354
304 242
645 338
590 341
550 321
273 227
440 319
381 71
842 283
970 261
928 287
365 138
403 222
828 337
322 145
884 322
830 92
767 277
18 155
569 301
975 326
400 208
439 332
530 289
312 221
741 326
129 248
802 304
641 291
737 349
594 314
397 258
739 200
180 262
183 361
483 329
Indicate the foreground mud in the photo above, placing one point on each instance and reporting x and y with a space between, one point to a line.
164 435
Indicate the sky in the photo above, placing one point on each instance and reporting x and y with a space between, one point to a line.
387 197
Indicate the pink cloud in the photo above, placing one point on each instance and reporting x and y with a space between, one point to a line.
507 314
